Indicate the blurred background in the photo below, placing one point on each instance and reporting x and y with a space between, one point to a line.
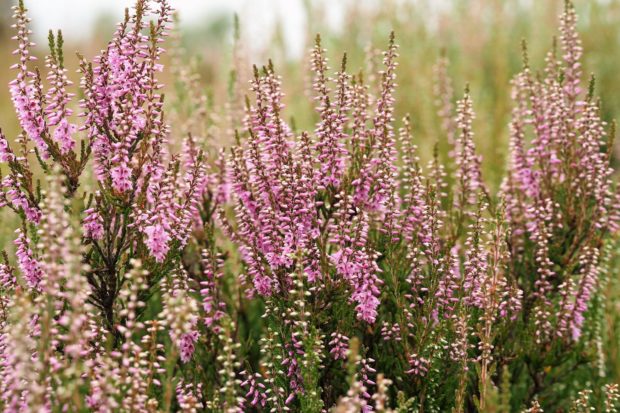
480 37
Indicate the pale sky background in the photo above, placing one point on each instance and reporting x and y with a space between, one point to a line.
76 17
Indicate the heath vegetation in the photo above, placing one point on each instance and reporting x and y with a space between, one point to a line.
190 254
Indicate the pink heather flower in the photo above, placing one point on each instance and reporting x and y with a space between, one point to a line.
386 194
339 346
184 211
121 178
180 314
390 332
189 396
362 184
25 90
589 277
275 192
63 135
476 264
29 110
468 162
7 278
120 97
512 303
571 43
293 351
58 98
330 133
28 265
187 345
365 372
157 239
221 179
6 154
447 290
18 200
360 271
214 308
256 391
562 177
378 170
418 366
444 94
93 224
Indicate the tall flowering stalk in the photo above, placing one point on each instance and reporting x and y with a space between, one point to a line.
563 213
58 321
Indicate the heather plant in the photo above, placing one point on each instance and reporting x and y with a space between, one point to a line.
301 270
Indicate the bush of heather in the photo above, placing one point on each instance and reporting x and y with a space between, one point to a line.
300 270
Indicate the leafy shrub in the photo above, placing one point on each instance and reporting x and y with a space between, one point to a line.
303 270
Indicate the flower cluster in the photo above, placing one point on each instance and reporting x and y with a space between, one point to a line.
316 269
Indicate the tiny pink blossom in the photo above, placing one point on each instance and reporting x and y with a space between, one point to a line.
157 241
93 224
121 178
